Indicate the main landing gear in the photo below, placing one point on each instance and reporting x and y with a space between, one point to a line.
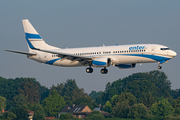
103 70
89 70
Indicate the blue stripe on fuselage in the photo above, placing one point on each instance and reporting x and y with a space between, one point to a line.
154 57
52 61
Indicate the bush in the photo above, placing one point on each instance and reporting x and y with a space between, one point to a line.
96 115
121 110
169 117
139 111
162 108
66 116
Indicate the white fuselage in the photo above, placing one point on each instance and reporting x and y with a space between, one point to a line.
120 54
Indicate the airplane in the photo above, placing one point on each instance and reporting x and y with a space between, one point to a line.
120 56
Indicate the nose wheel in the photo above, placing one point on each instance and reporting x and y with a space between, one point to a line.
104 71
89 70
159 67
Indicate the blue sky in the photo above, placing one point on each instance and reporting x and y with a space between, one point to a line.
83 23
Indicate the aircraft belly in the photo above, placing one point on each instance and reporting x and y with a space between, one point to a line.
67 63
133 59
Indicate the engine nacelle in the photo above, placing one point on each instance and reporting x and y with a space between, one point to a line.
126 66
101 62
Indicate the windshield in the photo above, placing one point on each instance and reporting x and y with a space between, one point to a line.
164 49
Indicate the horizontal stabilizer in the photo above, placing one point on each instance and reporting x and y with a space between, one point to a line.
20 52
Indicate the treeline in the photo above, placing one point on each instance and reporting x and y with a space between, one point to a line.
22 94
141 95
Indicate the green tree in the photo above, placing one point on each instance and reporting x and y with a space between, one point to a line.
153 84
177 106
44 92
69 87
108 107
95 94
21 113
162 83
30 89
59 88
139 111
121 109
162 108
127 96
11 116
86 100
8 116
8 88
142 90
38 113
69 91
19 100
175 93
2 102
113 97
53 104
147 99
177 103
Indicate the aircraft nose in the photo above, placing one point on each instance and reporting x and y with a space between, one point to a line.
173 53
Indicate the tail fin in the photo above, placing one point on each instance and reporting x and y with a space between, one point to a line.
33 38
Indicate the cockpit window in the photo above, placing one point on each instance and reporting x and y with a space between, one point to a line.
165 49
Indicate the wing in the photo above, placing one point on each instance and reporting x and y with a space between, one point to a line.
20 52
85 60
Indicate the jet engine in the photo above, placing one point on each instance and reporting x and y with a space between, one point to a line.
126 66
101 62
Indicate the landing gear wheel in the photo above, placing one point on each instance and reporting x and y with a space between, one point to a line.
89 70
159 67
104 71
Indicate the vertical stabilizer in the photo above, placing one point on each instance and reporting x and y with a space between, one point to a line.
28 28
33 38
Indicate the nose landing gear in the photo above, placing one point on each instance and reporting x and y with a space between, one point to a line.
159 67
